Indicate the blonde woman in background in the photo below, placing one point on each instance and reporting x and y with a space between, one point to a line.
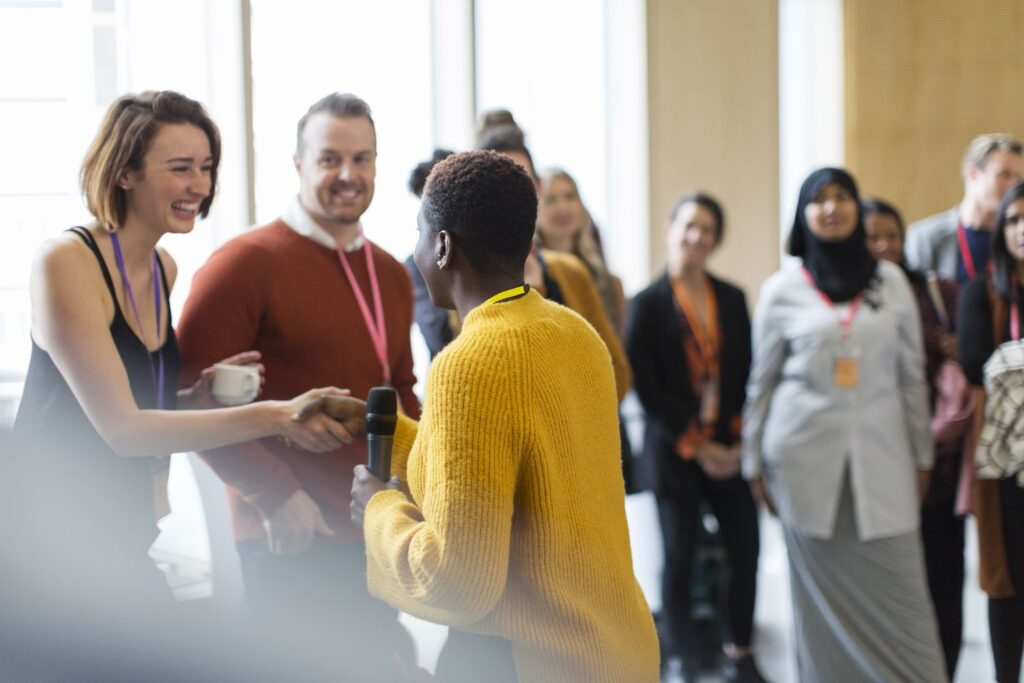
565 225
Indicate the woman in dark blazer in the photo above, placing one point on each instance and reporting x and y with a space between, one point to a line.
688 339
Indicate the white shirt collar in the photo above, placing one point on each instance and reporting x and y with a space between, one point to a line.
298 219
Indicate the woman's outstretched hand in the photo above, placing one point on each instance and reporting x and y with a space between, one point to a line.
342 408
318 432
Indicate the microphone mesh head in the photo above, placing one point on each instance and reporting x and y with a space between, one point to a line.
381 411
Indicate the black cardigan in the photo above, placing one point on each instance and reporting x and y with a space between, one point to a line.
661 376
974 328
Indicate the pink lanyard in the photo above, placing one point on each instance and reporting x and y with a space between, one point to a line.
158 374
1015 316
847 320
376 328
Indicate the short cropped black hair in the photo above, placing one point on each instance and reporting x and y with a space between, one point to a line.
418 177
489 205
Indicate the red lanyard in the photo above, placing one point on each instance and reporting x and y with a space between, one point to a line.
376 328
965 253
846 322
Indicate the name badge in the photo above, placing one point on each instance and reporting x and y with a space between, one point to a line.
709 402
846 370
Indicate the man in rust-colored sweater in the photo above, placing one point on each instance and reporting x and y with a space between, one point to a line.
307 291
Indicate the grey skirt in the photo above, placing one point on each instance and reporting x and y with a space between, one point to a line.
861 609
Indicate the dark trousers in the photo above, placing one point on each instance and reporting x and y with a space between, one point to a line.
1006 615
682 486
318 601
942 534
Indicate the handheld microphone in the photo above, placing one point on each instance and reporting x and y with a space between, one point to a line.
381 418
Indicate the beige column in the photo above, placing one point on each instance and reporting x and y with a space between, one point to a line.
714 125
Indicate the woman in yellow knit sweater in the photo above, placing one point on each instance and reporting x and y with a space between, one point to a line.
512 528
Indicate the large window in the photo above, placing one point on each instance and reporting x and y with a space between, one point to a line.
306 49
545 62
573 74
48 106
66 61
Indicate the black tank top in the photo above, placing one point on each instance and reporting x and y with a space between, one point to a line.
104 495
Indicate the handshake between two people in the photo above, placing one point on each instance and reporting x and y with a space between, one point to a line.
315 431
319 420
350 413
324 413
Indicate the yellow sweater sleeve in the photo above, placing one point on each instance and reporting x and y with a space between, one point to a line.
444 555
405 436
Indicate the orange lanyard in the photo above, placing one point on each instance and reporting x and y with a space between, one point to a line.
706 336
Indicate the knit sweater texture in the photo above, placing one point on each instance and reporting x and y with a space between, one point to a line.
514 522
277 292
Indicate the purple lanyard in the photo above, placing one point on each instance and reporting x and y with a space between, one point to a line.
158 375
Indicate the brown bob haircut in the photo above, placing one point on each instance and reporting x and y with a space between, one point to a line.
122 141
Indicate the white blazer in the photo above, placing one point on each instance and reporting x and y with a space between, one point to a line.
801 432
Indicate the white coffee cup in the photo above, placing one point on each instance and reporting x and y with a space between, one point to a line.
234 385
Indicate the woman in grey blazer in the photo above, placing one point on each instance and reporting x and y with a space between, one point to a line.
837 441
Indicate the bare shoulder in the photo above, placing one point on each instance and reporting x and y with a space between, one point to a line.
67 291
63 257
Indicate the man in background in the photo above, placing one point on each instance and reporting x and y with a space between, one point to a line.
955 243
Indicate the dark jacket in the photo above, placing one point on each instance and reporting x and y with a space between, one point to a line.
661 377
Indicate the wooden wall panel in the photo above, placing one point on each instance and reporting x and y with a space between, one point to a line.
923 77
713 124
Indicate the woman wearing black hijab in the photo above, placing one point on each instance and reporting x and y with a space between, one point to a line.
837 442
